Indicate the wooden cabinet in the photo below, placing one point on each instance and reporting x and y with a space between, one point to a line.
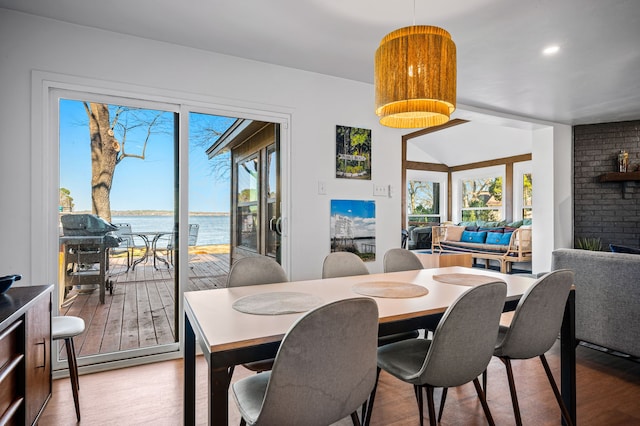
25 354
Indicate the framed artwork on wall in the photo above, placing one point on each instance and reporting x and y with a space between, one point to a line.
353 153
353 227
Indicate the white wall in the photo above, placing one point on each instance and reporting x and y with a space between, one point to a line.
317 103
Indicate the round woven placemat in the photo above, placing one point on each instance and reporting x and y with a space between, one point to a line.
465 279
276 303
390 289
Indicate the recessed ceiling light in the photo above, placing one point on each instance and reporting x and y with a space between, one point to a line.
551 50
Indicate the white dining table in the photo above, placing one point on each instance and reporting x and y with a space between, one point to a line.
229 337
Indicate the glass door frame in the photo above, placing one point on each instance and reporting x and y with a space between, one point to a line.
55 96
43 238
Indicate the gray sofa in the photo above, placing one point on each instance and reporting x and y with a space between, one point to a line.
607 297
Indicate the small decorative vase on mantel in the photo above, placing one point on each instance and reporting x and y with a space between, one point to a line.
623 161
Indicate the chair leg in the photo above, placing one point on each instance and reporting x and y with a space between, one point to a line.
512 389
443 399
431 406
556 392
73 373
420 405
355 419
484 382
367 419
483 401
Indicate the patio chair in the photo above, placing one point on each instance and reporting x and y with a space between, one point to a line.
127 244
193 240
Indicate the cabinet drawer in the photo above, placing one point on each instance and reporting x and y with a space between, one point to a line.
10 342
11 393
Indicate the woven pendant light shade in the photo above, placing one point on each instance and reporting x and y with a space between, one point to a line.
415 77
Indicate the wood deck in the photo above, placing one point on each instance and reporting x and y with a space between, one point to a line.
141 311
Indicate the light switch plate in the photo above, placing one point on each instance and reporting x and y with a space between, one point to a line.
322 188
380 190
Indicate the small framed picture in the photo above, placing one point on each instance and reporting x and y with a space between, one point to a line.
353 153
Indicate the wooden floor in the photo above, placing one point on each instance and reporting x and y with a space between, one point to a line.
608 393
141 310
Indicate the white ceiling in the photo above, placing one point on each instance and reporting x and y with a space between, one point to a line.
594 78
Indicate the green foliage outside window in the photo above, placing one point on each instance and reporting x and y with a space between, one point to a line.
527 196
482 199
423 201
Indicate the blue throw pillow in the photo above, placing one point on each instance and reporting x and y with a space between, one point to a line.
473 237
494 237
506 238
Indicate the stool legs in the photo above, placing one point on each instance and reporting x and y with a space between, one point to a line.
73 373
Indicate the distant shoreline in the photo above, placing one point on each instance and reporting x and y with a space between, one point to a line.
155 213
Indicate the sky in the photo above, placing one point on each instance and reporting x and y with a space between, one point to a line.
362 213
140 184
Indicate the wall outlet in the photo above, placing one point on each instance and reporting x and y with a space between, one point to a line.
380 190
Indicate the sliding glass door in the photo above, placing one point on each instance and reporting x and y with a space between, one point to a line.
145 202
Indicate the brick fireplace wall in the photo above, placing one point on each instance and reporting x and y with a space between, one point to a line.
608 210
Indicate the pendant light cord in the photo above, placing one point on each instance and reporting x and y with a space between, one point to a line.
414 13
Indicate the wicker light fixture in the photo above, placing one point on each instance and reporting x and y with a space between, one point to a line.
415 77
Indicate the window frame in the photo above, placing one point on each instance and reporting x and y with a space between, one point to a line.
480 173
519 170
428 176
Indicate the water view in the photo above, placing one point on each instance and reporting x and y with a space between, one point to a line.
214 229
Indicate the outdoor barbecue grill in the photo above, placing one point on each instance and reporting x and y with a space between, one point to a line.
86 240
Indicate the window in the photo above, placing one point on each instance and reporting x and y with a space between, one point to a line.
482 199
248 203
423 202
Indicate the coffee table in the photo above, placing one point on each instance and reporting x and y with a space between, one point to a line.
442 260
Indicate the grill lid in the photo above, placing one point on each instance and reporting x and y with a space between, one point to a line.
85 224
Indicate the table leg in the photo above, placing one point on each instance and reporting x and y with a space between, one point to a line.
154 248
146 251
568 357
189 403
219 380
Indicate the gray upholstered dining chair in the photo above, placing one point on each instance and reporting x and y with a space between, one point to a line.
398 259
533 330
324 370
343 264
460 350
346 264
256 270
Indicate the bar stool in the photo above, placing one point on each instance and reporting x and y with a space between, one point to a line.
67 327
